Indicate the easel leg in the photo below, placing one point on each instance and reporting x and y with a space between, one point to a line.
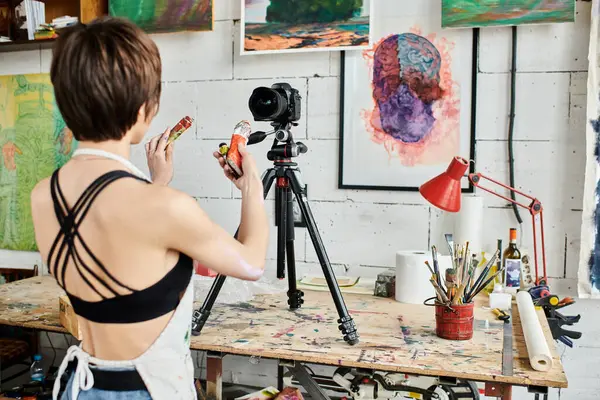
214 376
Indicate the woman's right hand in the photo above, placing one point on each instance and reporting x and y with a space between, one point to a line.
250 176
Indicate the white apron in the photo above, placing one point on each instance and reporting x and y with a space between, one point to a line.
166 367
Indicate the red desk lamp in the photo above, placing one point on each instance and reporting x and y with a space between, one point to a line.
444 192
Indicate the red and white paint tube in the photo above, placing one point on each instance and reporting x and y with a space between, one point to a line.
203 271
241 132
183 125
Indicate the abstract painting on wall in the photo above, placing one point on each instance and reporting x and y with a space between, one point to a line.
166 15
34 141
481 13
407 102
588 285
270 26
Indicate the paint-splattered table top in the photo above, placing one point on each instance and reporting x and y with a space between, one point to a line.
393 336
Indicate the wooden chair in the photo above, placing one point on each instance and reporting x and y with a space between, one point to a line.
17 346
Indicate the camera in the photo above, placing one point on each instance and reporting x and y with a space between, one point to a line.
280 103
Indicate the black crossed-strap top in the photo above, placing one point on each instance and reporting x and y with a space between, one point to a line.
134 306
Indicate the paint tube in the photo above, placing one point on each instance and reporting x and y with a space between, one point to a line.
241 132
183 125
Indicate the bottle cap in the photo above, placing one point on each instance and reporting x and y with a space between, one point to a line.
37 357
498 288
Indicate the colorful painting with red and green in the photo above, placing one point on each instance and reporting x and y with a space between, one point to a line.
482 13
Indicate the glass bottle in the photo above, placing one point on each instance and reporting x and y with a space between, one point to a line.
511 259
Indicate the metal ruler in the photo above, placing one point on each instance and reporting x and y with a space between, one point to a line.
507 349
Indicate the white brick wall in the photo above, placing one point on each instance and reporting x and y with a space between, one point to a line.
206 78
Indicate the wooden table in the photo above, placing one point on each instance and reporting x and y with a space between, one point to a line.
393 336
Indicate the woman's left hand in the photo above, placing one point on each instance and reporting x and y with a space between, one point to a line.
160 158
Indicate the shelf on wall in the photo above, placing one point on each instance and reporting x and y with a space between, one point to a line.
24 45
85 10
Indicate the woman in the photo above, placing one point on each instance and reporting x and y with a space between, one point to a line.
120 246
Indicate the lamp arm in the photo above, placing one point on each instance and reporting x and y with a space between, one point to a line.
535 208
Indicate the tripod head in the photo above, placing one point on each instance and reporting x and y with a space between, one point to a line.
284 147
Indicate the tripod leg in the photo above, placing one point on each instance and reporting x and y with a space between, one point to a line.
346 322
200 316
281 213
295 296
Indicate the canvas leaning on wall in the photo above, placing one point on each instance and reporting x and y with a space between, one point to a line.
407 102
588 284
283 26
34 141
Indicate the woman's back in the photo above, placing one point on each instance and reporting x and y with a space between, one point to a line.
120 231
120 245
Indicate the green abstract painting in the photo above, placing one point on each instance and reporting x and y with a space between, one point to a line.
481 13
165 15
34 141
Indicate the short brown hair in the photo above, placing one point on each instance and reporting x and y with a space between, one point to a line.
102 73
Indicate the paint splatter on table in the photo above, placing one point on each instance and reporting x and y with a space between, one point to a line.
394 336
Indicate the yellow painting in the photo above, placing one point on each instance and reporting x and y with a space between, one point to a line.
34 141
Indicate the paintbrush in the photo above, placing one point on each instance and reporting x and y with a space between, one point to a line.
450 282
480 288
459 295
441 295
485 272
450 243
438 295
466 271
466 263
470 275
436 266
429 266
461 266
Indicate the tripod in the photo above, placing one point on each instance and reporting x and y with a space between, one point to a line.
288 184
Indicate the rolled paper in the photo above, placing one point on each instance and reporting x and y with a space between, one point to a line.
540 357
183 125
241 132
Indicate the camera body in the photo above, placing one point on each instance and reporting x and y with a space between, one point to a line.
280 103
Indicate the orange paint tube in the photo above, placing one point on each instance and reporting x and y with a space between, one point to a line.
241 132
183 125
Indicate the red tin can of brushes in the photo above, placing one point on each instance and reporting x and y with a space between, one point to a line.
454 322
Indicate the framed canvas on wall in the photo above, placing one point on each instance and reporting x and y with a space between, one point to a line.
407 103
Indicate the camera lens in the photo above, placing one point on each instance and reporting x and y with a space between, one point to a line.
267 104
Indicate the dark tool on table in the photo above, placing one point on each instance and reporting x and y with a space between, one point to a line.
280 105
556 320
507 339
502 315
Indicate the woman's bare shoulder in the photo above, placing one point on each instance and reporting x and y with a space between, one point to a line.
40 194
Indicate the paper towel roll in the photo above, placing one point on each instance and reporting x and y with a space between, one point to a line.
412 275
468 223
540 357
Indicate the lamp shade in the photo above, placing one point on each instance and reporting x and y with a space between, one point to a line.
444 190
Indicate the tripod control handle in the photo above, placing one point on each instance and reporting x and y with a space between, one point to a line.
301 147
256 137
